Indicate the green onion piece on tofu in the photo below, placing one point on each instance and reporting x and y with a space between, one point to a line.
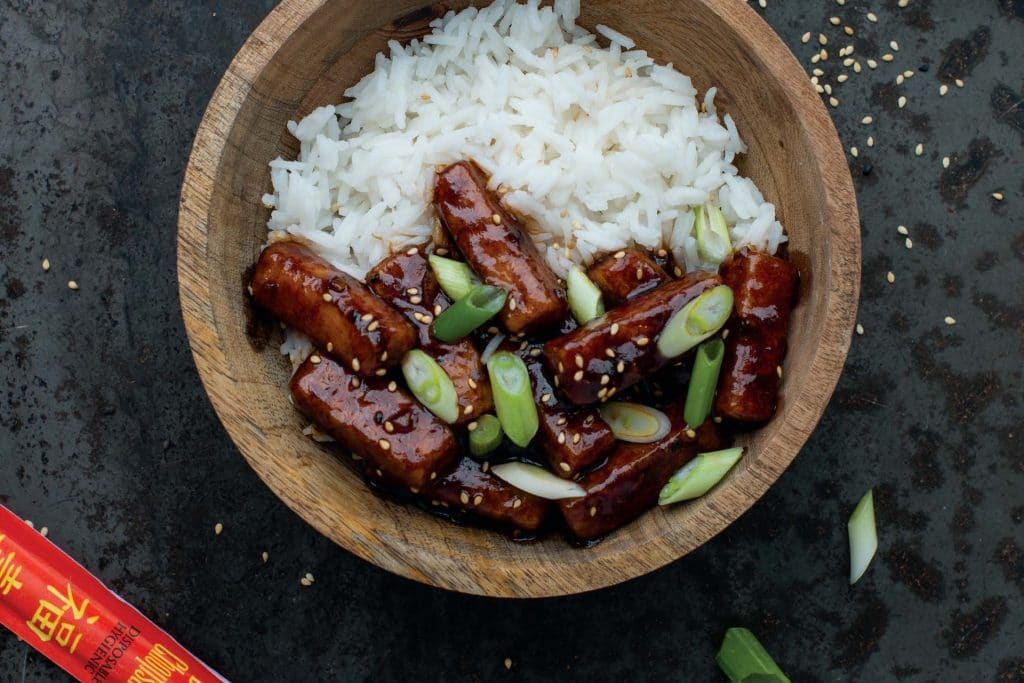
695 322
486 436
431 385
713 242
863 536
538 481
703 382
699 476
513 397
455 277
744 659
469 313
635 423
584 297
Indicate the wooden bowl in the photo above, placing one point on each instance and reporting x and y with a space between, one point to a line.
304 54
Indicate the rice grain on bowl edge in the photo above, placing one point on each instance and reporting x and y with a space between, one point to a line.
597 148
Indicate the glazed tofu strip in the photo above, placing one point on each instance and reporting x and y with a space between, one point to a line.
629 483
571 437
763 287
626 275
471 489
342 316
406 281
401 441
618 349
497 247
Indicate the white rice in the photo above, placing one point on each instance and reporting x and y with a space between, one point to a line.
599 148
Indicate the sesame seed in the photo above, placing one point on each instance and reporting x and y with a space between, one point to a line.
678 271
578 376
817 89
485 466
265 556
848 61
762 3
902 3
690 433
950 320
643 341
305 582
437 309
478 498
374 326
872 64
717 420
579 361
778 371
998 196
433 476
355 383
44 532
909 243
472 426
218 528
496 218
464 497
511 304
899 79
872 17
901 102
894 45
392 386
835 21
72 285
818 72
620 254
383 356
856 67
891 277
468 410
919 150
327 297
833 101
605 379
887 57
945 162
639 273
871 141
46 267
561 437
384 444
472 383
902 229
413 251
355 364
848 30
516 504
576 437
823 54
853 151
389 427
908 74
564 466
828 88
842 78
725 333
620 366
593 510
415 299
860 328
602 393
822 40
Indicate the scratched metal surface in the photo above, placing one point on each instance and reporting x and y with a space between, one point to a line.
107 439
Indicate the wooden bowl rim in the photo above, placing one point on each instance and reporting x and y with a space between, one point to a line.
843 280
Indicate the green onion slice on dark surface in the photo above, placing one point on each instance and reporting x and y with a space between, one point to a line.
634 422
699 476
744 659
455 277
703 380
585 300
431 385
485 436
712 232
863 536
513 397
696 321
469 313
538 481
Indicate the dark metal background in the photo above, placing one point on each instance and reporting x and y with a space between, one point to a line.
107 438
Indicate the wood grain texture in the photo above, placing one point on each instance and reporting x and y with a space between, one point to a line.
303 55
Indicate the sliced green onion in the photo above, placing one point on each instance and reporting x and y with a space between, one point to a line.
431 385
538 481
584 297
486 436
744 659
713 243
513 397
469 313
695 322
455 277
699 476
635 423
703 381
863 536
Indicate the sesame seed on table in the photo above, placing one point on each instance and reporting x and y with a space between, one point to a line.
108 438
